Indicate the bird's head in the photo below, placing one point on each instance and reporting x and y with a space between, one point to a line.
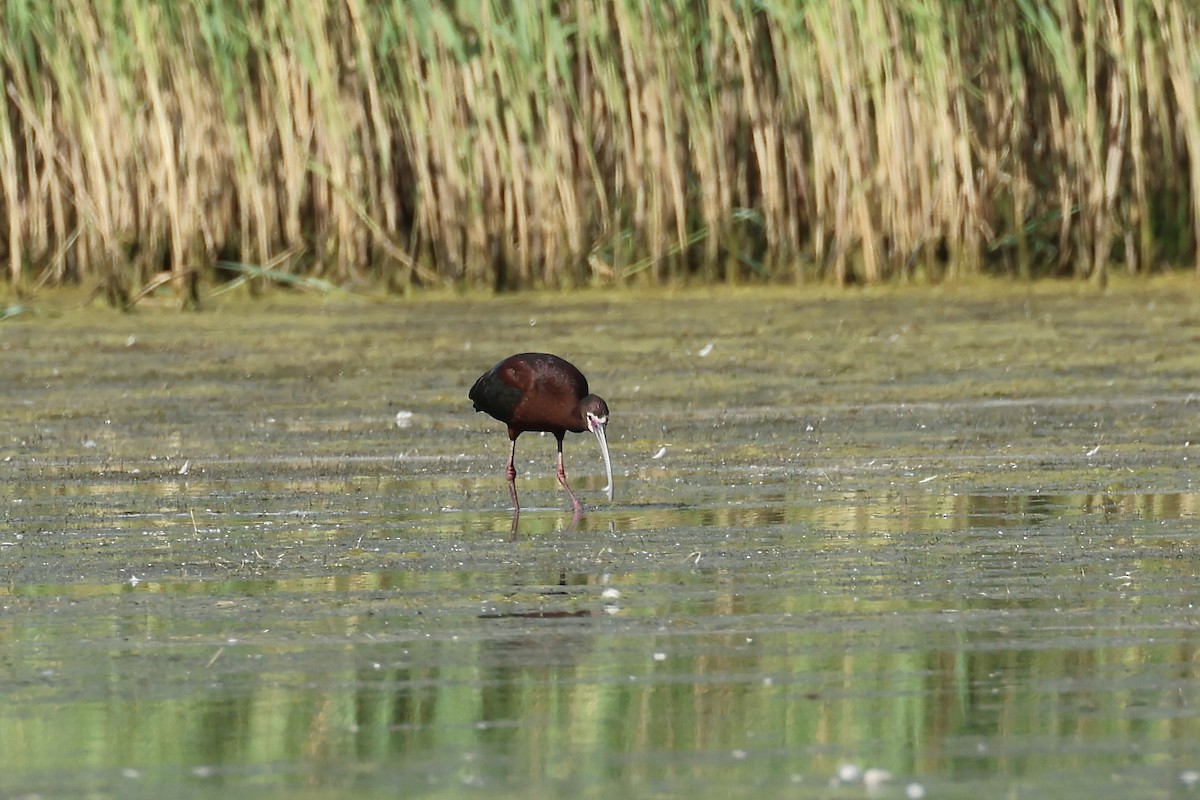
595 415
595 412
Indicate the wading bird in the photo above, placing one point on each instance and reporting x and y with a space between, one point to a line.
541 392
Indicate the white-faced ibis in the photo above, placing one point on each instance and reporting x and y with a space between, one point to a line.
541 392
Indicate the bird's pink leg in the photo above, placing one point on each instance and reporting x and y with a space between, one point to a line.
562 478
512 476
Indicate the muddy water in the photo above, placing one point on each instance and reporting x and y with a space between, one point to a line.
893 544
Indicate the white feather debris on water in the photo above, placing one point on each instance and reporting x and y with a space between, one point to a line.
875 777
662 451
704 351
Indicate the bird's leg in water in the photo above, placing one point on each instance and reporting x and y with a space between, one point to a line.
562 478
512 476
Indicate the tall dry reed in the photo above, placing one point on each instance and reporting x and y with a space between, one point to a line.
503 144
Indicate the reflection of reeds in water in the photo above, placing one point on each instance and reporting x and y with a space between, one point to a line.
569 143
874 521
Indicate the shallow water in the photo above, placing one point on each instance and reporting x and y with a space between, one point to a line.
896 543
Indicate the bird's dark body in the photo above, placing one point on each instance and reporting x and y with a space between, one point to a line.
533 392
541 392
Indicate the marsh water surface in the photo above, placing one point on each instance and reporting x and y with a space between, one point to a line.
927 543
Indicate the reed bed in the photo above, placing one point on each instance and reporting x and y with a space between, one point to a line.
578 142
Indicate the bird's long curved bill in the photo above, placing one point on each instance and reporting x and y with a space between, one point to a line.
599 431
